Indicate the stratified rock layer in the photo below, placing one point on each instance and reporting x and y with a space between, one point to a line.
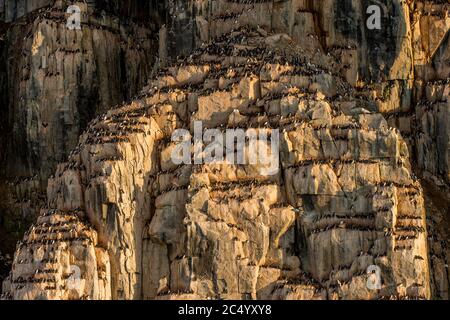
343 197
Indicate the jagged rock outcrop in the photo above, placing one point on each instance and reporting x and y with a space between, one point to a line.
402 65
345 196
343 199
56 80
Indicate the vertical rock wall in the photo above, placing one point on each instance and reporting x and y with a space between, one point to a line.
55 80
346 192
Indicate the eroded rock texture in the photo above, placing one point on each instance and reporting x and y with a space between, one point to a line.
431 129
56 80
353 107
343 199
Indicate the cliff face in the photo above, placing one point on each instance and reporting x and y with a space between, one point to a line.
358 112
55 80
342 199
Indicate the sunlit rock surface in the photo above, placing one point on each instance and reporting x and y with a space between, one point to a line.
358 112
343 199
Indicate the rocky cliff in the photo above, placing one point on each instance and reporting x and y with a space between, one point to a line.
360 113
55 80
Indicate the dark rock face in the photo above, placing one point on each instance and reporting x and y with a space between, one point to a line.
11 10
378 48
55 81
